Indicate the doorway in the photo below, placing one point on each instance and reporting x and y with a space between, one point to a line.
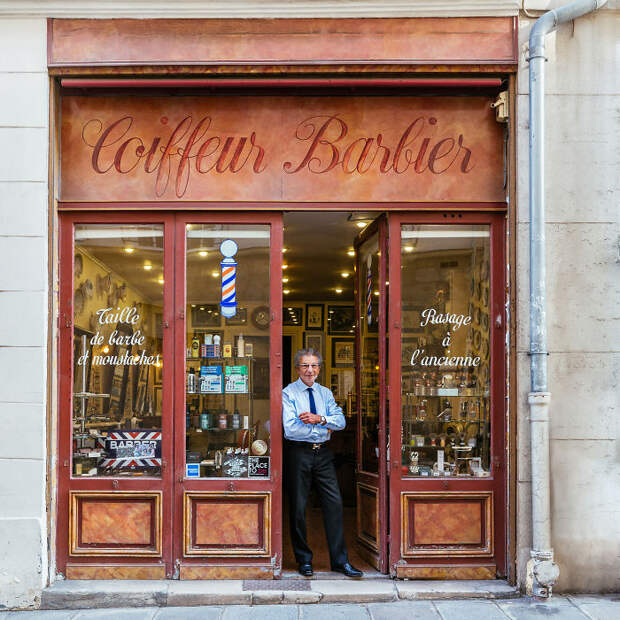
318 282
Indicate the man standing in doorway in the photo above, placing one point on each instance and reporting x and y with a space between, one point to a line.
309 416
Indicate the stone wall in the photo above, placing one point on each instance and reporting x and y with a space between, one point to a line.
583 286
24 319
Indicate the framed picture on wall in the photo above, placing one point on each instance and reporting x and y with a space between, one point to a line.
341 319
343 352
411 317
292 316
314 316
314 341
206 315
240 318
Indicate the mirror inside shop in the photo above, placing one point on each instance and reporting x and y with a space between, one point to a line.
117 350
445 379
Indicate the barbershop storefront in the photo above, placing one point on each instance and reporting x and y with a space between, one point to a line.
214 218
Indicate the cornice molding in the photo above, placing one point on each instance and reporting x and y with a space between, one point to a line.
257 8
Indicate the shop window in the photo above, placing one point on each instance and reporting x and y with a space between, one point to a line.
117 352
445 351
227 351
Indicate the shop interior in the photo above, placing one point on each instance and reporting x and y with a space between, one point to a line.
318 294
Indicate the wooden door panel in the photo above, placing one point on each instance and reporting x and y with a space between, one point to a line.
227 524
447 524
115 523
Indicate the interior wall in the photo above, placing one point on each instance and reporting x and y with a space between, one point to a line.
337 347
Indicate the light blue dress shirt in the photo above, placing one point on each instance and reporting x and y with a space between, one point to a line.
296 400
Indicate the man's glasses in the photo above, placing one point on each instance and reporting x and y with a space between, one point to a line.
306 366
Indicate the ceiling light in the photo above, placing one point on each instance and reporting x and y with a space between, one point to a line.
286 291
284 250
193 305
284 266
408 248
130 250
338 290
376 292
148 266
203 253
160 280
345 274
215 274
202 307
360 224
106 349
351 252
285 280
289 308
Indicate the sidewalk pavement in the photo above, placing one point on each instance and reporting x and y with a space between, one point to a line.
580 607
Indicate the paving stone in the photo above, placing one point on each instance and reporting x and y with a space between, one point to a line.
480 610
403 610
527 607
115 614
189 613
267 612
193 593
77 594
455 589
334 612
358 591
598 607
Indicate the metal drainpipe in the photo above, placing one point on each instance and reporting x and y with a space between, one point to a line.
542 571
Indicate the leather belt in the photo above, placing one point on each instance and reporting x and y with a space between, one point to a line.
306 444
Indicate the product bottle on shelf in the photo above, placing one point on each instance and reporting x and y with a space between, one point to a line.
195 346
240 346
216 345
191 381
236 419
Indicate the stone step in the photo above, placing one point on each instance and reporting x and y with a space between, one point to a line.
107 594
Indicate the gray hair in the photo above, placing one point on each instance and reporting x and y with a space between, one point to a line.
303 352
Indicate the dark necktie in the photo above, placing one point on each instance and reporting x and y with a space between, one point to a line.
312 403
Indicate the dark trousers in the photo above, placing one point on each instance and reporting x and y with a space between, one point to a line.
303 466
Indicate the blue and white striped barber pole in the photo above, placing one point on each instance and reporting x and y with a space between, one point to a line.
369 289
228 306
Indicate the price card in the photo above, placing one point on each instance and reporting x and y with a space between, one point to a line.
236 379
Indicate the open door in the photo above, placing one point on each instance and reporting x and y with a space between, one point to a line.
372 403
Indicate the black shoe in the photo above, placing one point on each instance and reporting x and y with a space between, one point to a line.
348 570
306 570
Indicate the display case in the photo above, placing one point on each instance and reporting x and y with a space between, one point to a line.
221 429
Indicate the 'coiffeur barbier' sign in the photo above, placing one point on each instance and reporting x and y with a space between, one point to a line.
298 149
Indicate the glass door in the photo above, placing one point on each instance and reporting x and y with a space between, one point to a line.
447 369
228 405
115 394
372 402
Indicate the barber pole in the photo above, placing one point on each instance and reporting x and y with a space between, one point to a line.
228 306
